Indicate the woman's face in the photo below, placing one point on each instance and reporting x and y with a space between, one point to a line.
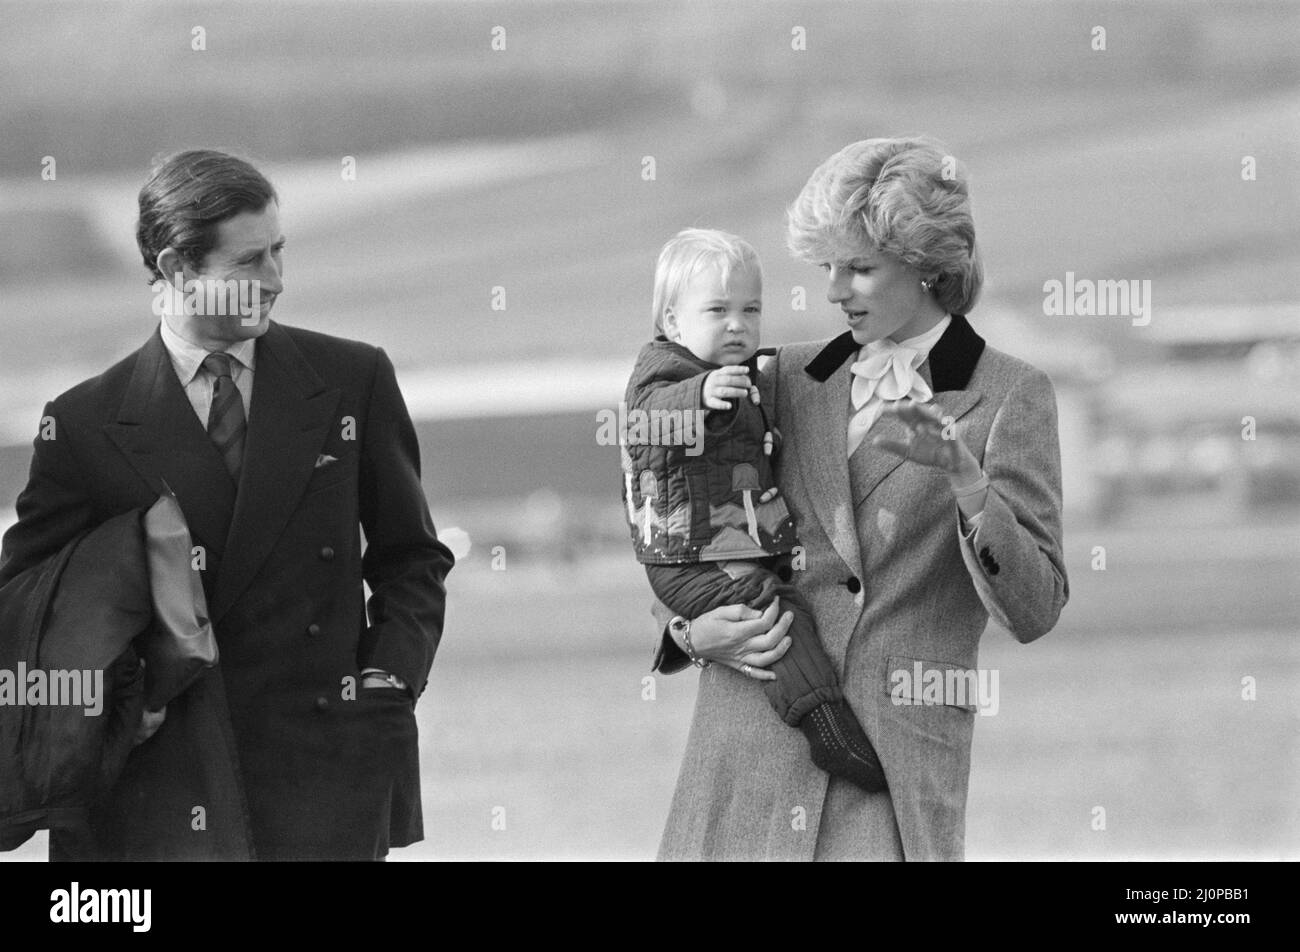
881 297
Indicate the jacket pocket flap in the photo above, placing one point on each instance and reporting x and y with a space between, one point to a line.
918 681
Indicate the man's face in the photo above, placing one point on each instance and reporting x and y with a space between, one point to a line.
717 323
247 257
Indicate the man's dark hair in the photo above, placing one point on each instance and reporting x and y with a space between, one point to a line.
188 194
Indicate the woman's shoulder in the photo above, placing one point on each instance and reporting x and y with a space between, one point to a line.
803 351
999 371
788 358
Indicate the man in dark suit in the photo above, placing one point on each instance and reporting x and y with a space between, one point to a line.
281 445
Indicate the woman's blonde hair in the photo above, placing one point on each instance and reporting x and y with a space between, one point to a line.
905 196
691 251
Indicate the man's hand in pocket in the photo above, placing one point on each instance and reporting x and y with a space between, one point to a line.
375 678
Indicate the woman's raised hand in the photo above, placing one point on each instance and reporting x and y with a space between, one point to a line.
932 441
743 638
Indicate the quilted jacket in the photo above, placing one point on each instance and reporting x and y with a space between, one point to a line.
692 477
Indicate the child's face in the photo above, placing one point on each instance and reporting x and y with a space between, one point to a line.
715 323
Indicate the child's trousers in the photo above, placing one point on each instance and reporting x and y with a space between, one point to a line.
805 677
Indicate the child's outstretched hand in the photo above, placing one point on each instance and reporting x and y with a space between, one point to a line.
725 384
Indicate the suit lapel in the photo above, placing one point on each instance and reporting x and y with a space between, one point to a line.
288 422
821 408
947 369
874 464
160 435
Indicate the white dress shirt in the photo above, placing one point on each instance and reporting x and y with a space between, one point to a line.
187 360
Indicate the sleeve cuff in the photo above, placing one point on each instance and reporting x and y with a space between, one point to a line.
669 658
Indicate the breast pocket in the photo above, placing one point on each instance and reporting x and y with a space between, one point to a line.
328 477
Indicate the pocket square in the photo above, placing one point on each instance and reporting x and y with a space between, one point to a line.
325 459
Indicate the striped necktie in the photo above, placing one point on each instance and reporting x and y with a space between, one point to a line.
226 423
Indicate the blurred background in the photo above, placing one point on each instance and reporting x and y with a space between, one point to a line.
499 238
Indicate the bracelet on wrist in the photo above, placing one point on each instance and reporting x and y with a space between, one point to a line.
683 627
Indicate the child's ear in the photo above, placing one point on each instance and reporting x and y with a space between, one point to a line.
670 324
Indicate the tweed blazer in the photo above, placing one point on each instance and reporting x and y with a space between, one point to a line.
894 577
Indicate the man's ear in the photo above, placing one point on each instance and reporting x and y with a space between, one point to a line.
169 265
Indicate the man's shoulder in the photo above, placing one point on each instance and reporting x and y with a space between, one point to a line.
308 339
339 361
317 345
97 395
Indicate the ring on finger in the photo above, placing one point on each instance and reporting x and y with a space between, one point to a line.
746 669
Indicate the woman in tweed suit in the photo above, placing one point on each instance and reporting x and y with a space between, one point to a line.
923 468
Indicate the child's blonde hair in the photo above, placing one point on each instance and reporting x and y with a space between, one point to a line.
690 252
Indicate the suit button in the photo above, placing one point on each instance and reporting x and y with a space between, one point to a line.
322 703
327 554
313 629
853 585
